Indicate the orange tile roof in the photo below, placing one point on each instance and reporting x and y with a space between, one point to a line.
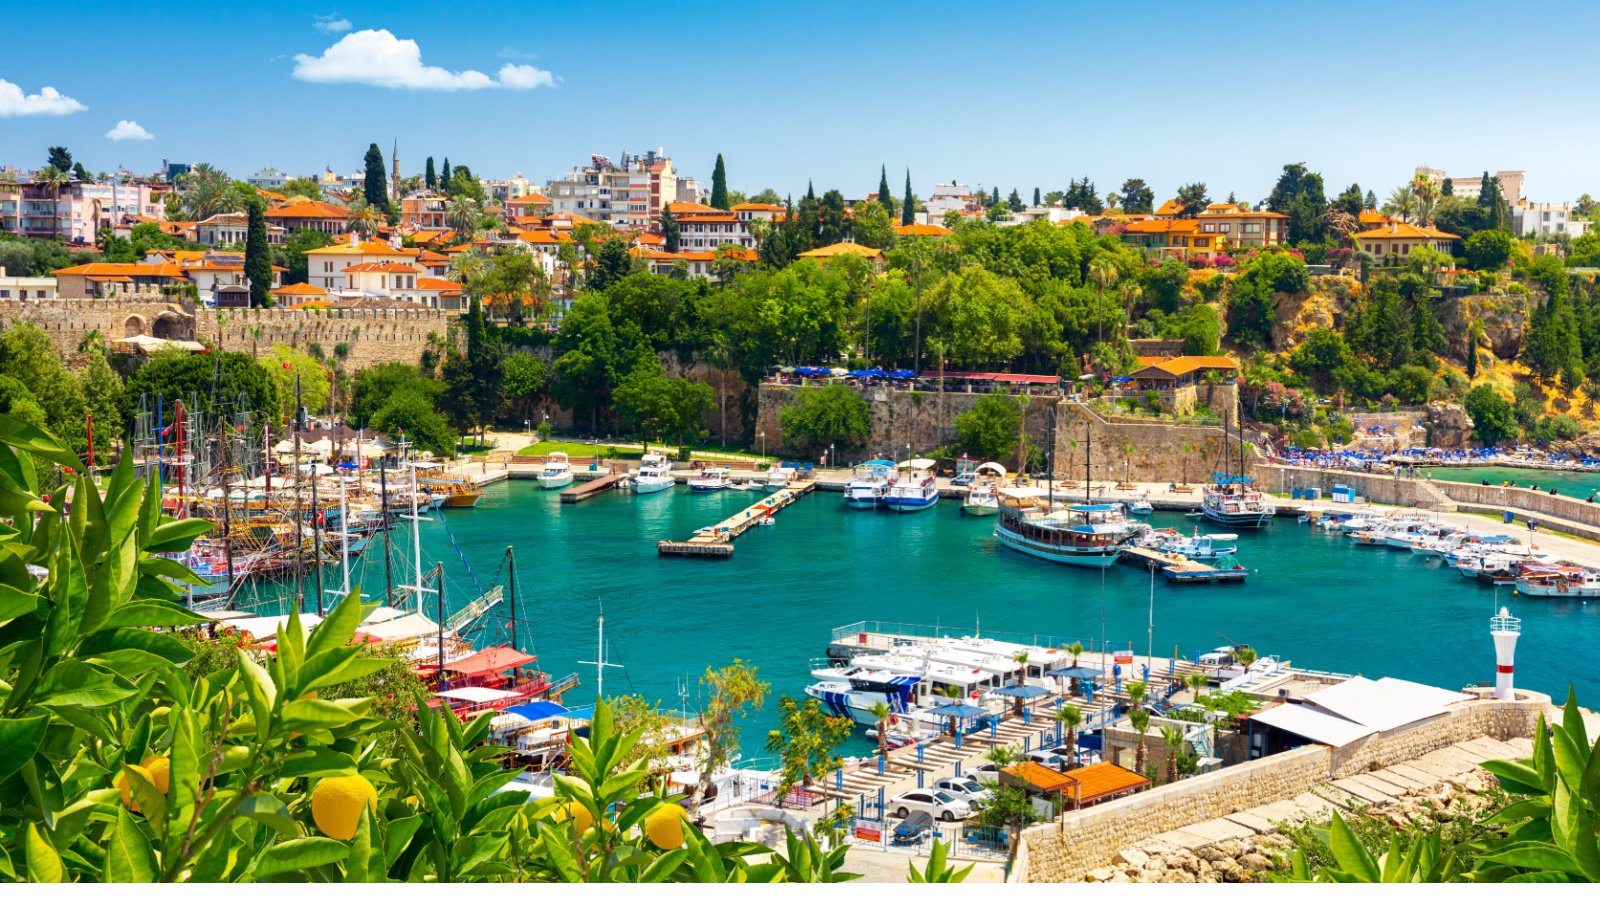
529 199
922 230
443 285
542 236
1162 226
1182 365
1040 777
1170 208
428 256
401 268
645 237
843 248
1100 780
680 207
301 289
1402 231
310 209
271 195
757 207
1372 217
112 270
363 248
718 217
1234 211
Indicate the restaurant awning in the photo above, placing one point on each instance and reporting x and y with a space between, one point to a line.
538 710
493 659
1039 777
1104 780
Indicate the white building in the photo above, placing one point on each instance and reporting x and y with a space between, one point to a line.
947 198
269 178
1546 219
23 287
223 229
1470 186
627 194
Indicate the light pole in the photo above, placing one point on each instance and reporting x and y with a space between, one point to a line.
763 436
527 427
833 457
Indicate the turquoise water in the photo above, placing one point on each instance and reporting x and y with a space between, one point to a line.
1313 597
1570 484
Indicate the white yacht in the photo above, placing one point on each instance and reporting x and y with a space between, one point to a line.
914 487
557 471
983 498
855 690
868 484
711 480
655 474
780 477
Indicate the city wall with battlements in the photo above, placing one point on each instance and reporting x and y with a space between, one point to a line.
371 336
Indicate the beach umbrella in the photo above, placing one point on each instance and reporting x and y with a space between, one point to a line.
958 711
1075 672
1025 691
787 370
876 372
836 371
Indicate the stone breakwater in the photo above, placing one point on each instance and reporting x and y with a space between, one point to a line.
1441 787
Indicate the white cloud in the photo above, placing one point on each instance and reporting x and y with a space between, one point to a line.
48 102
378 58
332 23
129 130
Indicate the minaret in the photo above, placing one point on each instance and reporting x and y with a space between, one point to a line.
1504 628
394 180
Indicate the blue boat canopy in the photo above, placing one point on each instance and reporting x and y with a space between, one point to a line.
539 710
1097 507
1225 478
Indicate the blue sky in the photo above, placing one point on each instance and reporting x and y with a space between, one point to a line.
1009 94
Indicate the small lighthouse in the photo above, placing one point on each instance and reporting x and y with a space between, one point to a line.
1504 628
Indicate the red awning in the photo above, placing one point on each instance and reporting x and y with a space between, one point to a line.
494 659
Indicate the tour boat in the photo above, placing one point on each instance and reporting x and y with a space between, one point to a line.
1559 581
1196 546
983 498
557 471
779 477
868 484
1087 535
1231 500
855 691
914 487
711 480
655 474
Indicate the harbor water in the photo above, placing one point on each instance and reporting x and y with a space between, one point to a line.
1313 597
1569 483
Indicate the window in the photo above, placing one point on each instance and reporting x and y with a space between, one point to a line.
1252 227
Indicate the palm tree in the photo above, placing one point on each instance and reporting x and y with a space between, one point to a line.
1402 202
1102 273
881 714
1002 755
1425 191
54 179
1076 649
1070 718
462 215
363 220
1021 659
1174 740
1245 656
1139 718
1198 681
1130 295
1136 692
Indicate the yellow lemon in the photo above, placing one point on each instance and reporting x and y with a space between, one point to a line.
664 825
579 814
156 769
336 804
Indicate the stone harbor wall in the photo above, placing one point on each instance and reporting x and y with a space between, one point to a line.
1086 839
67 321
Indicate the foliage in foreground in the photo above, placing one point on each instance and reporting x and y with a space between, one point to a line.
1550 833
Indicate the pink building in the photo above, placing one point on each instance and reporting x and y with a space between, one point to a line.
77 212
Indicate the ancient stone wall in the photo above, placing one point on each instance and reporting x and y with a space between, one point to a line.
1058 851
67 321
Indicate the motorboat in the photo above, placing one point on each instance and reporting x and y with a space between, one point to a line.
1195 546
1092 535
983 498
655 474
1232 500
855 691
1406 538
556 472
780 477
1141 507
708 480
913 488
1570 582
869 483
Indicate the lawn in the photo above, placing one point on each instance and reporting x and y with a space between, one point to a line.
574 448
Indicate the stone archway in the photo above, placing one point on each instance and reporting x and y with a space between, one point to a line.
134 326
168 326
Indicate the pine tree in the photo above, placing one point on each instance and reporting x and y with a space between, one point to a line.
1448 189
60 158
670 231
444 176
1015 200
428 176
1036 197
258 257
811 192
375 187
1427 335
1473 333
1371 201
995 200
884 197
719 185
908 206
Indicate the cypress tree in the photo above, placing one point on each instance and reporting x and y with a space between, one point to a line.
908 206
719 185
884 196
1371 200
376 185
1486 191
444 176
428 176
1036 197
1472 351
670 231
993 201
811 192
258 257
1448 189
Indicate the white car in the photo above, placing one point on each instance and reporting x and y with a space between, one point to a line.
942 805
987 775
966 788
1049 759
1085 756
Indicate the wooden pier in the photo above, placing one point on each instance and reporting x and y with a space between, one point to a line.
1179 569
581 492
716 542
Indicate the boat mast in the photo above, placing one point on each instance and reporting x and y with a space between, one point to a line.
1050 457
227 502
317 527
511 588
438 593
416 525
299 514
1088 463
388 530
599 662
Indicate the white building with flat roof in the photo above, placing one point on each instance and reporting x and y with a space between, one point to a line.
1546 220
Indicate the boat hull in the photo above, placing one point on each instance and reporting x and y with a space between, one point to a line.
980 510
555 481
1238 519
706 488
651 486
909 504
1090 558
1572 592
463 501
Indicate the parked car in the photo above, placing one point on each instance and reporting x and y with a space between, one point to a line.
987 774
942 805
965 787
913 830
1084 755
1049 759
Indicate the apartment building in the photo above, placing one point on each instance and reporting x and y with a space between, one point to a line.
78 211
626 194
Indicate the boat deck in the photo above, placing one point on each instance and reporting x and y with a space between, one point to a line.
1179 569
716 542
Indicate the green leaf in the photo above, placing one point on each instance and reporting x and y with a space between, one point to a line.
129 859
15 604
338 628
263 693
300 854
269 811
151 614
1530 855
24 437
1517 777
167 567
1572 719
176 535
44 863
19 741
1353 858
319 715
397 836
74 683
184 760
317 763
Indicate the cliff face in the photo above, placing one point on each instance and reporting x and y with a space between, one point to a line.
1449 426
1503 318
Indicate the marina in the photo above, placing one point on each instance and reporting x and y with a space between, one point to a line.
716 542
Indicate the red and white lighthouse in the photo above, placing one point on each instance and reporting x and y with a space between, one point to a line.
1504 628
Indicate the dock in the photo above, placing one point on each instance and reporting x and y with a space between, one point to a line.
583 491
1180 569
716 542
